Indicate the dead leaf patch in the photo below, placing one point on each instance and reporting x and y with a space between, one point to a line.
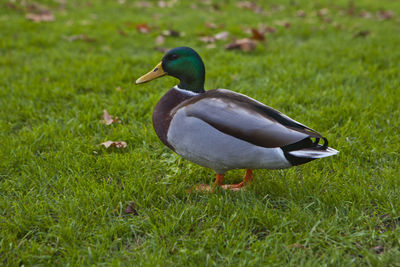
301 13
40 17
250 5
212 39
385 14
245 45
108 119
142 28
362 34
162 49
38 13
211 25
378 249
81 37
257 35
172 33
117 144
131 209
143 4
221 35
160 40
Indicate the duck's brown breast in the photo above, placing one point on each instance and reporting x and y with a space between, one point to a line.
162 113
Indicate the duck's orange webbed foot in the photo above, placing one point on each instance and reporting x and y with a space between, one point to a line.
248 177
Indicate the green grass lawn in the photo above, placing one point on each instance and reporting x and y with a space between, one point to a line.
63 198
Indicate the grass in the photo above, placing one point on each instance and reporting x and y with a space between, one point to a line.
62 196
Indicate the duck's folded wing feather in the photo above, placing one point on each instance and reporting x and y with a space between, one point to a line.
245 118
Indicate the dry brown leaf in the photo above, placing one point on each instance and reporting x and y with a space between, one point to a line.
108 119
38 13
122 32
142 28
221 35
322 12
160 40
40 17
257 35
245 45
117 144
211 25
211 46
301 13
212 39
81 37
385 14
162 49
378 249
362 34
172 33
282 23
131 209
144 4
207 39
164 4
365 14
250 5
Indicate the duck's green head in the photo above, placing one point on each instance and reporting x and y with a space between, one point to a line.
183 63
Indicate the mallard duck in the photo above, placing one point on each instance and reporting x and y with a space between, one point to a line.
224 130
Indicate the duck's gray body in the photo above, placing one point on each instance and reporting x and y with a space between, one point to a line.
224 130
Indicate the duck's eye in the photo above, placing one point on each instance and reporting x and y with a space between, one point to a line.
173 57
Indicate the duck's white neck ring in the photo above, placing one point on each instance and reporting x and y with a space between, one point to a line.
186 92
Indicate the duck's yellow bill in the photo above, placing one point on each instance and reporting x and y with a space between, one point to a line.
155 73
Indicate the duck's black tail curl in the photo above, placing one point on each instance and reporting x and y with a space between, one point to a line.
307 150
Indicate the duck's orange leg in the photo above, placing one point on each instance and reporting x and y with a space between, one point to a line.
207 188
248 177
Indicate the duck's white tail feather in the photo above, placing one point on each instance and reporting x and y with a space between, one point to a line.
313 153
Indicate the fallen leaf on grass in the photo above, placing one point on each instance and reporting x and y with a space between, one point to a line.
365 14
245 45
322 12
301 13
131 209
221 35
257 35
40 17
285 24
160 40
117 144
210 25
142 28
172 33
362 34
108 119
216 37
385 14
378 249
250 5
207 39
164 4
38 13
122 32
82 37
162 49
144 4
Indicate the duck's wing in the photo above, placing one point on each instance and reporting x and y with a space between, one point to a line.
245 118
